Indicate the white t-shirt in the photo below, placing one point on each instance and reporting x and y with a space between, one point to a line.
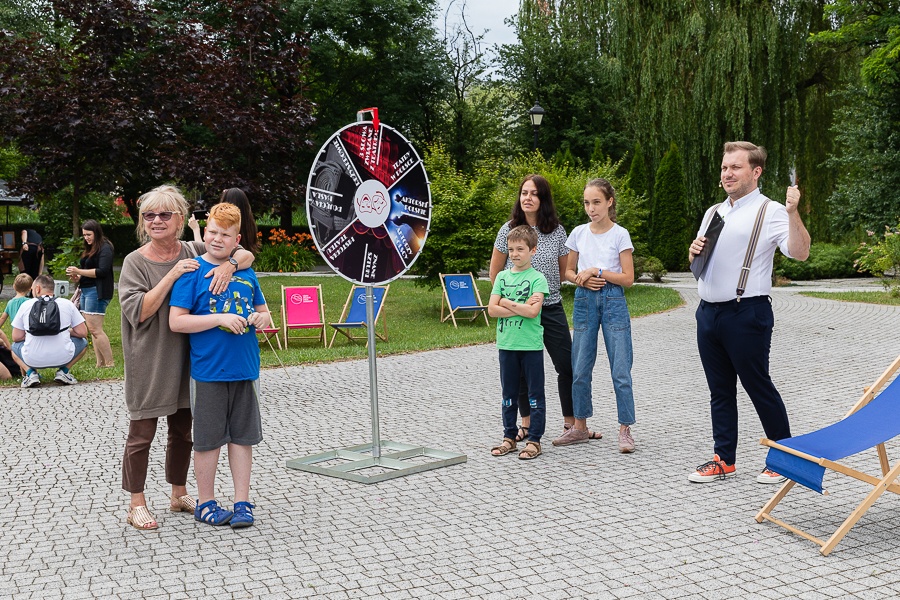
720 279
599 249
48 350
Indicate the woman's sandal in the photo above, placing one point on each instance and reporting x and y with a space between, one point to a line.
522 434
140 518
243 515
592 435
505 447
213 514
532 450
184 503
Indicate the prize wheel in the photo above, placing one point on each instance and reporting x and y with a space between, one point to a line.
368 203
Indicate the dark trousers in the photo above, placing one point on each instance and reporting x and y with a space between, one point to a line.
137 451
558 343
515 364
734 339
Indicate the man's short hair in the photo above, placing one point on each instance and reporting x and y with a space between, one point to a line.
523 233
755 154
226 215
23 282
45 282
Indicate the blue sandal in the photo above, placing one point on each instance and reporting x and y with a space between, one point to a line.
210 512
243 515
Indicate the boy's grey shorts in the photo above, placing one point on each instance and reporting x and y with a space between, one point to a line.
225 412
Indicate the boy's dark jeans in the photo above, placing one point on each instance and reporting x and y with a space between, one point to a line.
513 364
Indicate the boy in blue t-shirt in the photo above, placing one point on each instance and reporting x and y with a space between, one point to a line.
224 367
516 301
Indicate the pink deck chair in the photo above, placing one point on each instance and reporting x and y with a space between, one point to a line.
302 308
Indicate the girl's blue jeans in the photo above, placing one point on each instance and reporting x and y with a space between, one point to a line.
604 309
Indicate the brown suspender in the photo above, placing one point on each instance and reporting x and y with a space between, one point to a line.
751 249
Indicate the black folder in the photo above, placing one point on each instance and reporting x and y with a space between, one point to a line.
698 265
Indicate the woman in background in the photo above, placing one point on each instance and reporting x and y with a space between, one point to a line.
95 279
236 196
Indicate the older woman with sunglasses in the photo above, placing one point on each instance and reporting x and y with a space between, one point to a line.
157 368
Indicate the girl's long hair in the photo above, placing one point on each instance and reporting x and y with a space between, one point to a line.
547 219
248 231
99 239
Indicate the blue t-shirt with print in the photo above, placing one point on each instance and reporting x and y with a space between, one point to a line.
216 354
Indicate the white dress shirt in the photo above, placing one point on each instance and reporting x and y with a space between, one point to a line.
719 281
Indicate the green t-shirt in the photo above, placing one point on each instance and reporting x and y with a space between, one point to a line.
12 307
520 333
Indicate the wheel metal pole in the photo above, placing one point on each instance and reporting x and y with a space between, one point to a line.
373 371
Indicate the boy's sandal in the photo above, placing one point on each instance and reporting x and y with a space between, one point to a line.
522 434
505 447
213 514
592 435
243 515
140 518
184 503
532 450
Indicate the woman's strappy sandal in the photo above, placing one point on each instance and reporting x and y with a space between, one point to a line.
140 518
184 503
522 434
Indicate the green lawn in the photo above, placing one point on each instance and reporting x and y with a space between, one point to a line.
865 297
412 314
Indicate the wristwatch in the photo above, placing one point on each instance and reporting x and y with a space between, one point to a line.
233 262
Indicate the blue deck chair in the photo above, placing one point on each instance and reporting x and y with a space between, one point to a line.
353 315
461 294
871 422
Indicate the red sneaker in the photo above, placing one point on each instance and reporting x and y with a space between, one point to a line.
770 476
712 471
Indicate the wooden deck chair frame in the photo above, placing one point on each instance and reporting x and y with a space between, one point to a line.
451 312
342 326
287 326
887 481
267 333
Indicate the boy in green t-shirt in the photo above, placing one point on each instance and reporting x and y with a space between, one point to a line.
516 302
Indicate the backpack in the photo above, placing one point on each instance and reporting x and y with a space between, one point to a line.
44 317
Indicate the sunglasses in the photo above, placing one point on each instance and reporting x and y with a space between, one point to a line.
163 216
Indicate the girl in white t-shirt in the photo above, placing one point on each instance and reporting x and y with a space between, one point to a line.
601 265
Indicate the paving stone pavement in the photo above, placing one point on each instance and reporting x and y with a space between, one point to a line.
578 522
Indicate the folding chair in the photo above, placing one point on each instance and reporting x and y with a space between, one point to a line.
803 459
302 307
461 294
353 315
268 333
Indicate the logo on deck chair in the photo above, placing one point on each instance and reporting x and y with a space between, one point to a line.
458 285
300 298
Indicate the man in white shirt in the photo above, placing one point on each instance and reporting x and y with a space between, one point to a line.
734 326
62 350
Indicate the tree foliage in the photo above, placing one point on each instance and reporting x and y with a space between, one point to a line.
671 233
134 98
366 53
562 61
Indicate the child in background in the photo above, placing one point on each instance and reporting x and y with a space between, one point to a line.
224 367
601 265
22 285
516 301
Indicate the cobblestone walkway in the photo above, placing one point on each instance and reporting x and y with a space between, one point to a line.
579 522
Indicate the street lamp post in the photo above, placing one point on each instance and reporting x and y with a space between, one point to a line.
537 115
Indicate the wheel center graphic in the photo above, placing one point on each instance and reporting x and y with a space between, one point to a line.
371 202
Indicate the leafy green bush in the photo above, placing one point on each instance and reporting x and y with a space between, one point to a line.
649 265
465 218
67 254
882 259
285 253
826 261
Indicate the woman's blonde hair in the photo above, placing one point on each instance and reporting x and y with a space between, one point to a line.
162 198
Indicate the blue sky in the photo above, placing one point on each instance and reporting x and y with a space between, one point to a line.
481 15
